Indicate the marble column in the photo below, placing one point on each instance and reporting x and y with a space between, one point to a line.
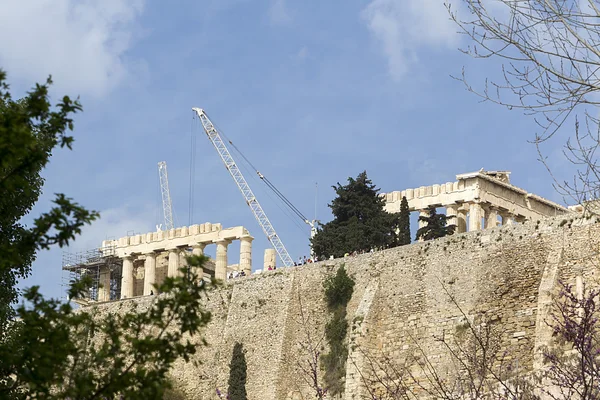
173 268
451 214
104 284
423 213
507 218
270 259
127 279
246 254
149 273
491 217
475 215
221 261
198 249
461 220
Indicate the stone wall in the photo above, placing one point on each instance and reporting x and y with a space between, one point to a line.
402 296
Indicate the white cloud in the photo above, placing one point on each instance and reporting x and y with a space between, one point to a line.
278 13
115 223
403 27
82 43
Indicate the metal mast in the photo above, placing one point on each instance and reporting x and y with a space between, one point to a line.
166 195
241 183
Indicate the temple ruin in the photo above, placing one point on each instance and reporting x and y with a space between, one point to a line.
131 266
476 200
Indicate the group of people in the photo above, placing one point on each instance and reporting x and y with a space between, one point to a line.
236 274
306 260
302 261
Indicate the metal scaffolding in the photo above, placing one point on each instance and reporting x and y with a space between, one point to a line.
92 263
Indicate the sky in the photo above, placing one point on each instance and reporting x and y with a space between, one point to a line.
311 92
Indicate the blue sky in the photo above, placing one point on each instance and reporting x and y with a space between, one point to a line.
310 91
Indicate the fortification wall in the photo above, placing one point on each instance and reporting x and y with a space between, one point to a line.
402 297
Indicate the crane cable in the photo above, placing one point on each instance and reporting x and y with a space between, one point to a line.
265 180
285 211
192 172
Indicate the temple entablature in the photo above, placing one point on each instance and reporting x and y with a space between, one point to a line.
191 236
477 200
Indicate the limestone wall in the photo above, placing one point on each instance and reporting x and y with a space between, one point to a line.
506 273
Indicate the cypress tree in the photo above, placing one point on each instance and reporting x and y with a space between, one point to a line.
435 226
404 223
237 374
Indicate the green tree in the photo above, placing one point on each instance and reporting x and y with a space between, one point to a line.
436 226
404 223
47 350
338 291
237 374
359 223
29 130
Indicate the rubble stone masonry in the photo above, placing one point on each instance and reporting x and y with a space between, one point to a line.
402 296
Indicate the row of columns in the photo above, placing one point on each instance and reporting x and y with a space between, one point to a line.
128 279
457 214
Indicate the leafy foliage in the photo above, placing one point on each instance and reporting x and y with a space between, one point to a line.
360 222
338 291
47 349
237 374
29 130
85 355
435 226
404 223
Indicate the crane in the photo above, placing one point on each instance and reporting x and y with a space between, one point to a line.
166 195
241 183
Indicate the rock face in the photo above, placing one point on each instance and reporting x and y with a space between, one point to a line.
402 296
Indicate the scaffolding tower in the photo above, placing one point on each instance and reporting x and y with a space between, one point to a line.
94 263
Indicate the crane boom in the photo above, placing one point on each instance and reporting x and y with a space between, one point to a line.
166 195
241 183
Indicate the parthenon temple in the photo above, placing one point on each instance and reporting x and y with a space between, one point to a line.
177 243
476 200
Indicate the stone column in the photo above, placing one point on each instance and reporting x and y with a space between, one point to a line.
246 254
270 259
127 279
507 218
104 284
475 215
451 214
491 217
221 261
198 249
173 268
149 273
461 221
423 213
